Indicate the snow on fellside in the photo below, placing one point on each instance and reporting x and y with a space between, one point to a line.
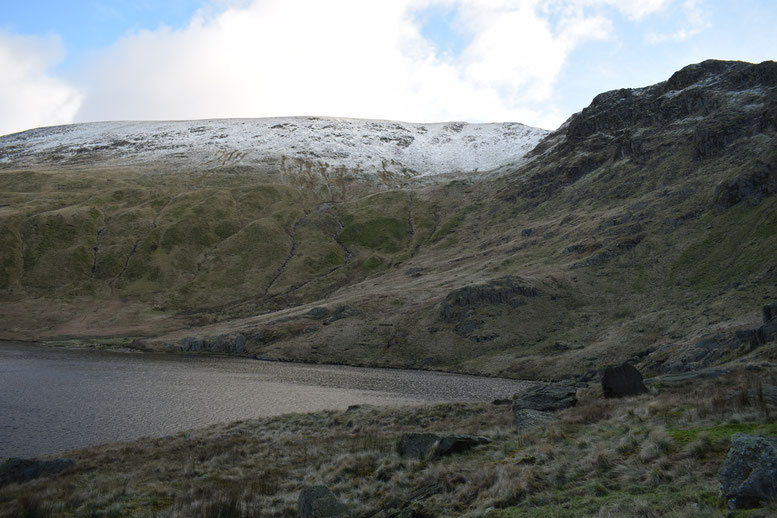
363 146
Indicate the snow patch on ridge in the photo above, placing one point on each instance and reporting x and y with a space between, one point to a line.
354 145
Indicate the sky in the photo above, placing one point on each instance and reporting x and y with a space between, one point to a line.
530 61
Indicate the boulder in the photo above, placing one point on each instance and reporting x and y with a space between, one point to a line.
431 444
622 381
320 502
525 418
770 312
547 397
748 477
21 470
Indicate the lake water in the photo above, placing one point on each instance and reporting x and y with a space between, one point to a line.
54 400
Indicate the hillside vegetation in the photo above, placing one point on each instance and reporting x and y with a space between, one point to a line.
644 224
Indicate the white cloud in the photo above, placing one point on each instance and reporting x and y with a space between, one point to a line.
694 21
342 58
346 58
29 95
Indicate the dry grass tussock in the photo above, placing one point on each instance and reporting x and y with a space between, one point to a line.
653 455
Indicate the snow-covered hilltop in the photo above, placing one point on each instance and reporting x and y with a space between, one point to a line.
327 146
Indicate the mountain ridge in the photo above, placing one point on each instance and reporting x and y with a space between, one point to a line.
329 150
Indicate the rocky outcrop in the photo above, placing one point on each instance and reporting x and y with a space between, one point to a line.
423 445
709 106
748 478
460 305
320 502
17 470
748 187
547 397
715 349
341 312
229 344
622 381
508 290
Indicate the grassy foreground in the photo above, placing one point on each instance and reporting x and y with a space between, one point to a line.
653 455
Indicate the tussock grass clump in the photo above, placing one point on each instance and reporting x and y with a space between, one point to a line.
652 455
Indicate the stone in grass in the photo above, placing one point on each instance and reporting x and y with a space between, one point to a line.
622 381
320 502
525 418
547 397
21 470
770 312
431 444
748 477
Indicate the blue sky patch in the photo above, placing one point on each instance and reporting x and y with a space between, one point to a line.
439 25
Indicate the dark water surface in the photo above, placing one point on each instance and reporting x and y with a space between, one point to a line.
53 400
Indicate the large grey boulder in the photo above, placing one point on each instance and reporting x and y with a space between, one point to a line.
748 477
547 397
21 470
525 418
622 381
431 444
320 502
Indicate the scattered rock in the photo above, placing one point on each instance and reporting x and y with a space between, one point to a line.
770 312
749 187
191 344
525 418
450 444
318 312
230 344
748 477
622 381
320 502
356 408
21 470
431 444
710 373
341 312
547 397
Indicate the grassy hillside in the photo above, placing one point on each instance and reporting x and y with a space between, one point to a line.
645 222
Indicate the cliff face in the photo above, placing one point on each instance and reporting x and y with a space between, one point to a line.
705 111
